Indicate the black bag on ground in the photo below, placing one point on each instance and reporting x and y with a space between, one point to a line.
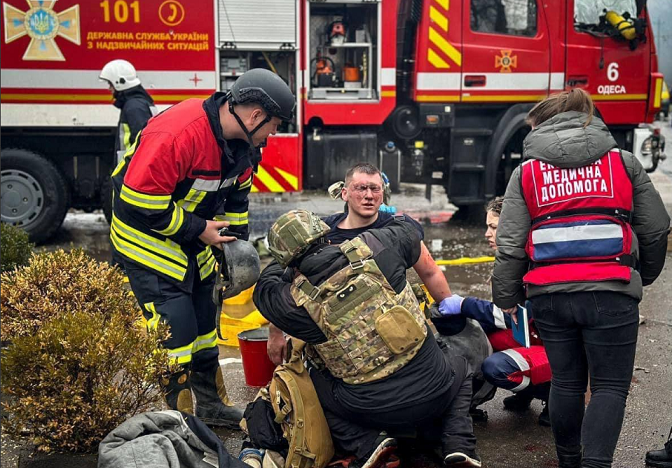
264 432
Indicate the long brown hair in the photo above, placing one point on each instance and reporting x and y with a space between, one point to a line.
573 100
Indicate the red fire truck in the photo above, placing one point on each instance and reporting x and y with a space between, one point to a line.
434 91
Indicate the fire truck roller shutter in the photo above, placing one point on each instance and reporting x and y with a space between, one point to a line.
35 195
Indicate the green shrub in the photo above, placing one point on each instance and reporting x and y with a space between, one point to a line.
15 249
79 363
58 282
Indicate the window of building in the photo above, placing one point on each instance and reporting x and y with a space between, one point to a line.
512 17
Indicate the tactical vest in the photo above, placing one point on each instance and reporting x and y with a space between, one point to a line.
580 221
371 331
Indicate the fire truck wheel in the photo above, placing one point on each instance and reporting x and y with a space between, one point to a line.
35 196
106 199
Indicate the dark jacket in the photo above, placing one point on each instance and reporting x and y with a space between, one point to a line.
137 107
425 377
182 172
563 141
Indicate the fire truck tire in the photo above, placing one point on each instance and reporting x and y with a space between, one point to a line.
35 195
106 199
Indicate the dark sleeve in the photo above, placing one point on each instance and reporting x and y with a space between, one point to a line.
403 236
490 318
137 115
650 221
511 261
273 299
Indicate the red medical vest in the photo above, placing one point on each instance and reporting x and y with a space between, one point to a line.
580 221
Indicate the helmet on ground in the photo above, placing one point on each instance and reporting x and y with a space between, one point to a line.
292 233
263 87
240 268
120 74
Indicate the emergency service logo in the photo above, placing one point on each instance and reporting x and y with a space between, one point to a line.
42 24
506 61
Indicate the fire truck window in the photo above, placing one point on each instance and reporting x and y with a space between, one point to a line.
512 17
590 11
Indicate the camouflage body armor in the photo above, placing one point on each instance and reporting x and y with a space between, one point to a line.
371 331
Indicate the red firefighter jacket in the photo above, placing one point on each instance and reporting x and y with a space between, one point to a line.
180 172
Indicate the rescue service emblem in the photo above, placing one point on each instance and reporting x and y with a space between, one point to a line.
506 61
42 24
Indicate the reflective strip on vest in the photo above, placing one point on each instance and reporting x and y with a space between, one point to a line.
580 223
207 341
127 155
181 355
245 184
153 321
206 185
191 201
522 365
176 222
124 137
142 249
235 219
206 263
150 202
590 238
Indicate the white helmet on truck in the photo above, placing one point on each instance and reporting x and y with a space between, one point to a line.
120 74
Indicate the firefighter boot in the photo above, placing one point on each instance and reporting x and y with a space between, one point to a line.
213 406
177 389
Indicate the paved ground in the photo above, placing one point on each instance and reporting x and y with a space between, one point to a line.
507 440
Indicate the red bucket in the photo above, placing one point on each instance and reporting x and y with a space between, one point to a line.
257 367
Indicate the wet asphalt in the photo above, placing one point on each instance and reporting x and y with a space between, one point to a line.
507 439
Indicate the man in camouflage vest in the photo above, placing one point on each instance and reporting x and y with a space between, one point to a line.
375 366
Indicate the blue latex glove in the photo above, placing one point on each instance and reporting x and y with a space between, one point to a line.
388 209
452 305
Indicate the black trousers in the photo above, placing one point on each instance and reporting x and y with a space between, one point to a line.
588 333
355 432
190 316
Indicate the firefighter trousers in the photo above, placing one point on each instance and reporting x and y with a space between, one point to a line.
190 316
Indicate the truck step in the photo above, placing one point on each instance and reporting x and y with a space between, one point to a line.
467 167
464 132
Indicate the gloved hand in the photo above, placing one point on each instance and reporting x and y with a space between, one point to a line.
452 305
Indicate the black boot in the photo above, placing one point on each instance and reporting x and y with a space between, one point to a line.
518 401
544 417
177 389
213 405
661 458
569 457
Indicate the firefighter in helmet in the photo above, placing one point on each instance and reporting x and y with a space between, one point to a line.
187 177
136 106
367 337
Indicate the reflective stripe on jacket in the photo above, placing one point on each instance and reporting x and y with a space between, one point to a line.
179 173
580 221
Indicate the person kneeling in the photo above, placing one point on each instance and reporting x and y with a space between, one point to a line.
367 338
